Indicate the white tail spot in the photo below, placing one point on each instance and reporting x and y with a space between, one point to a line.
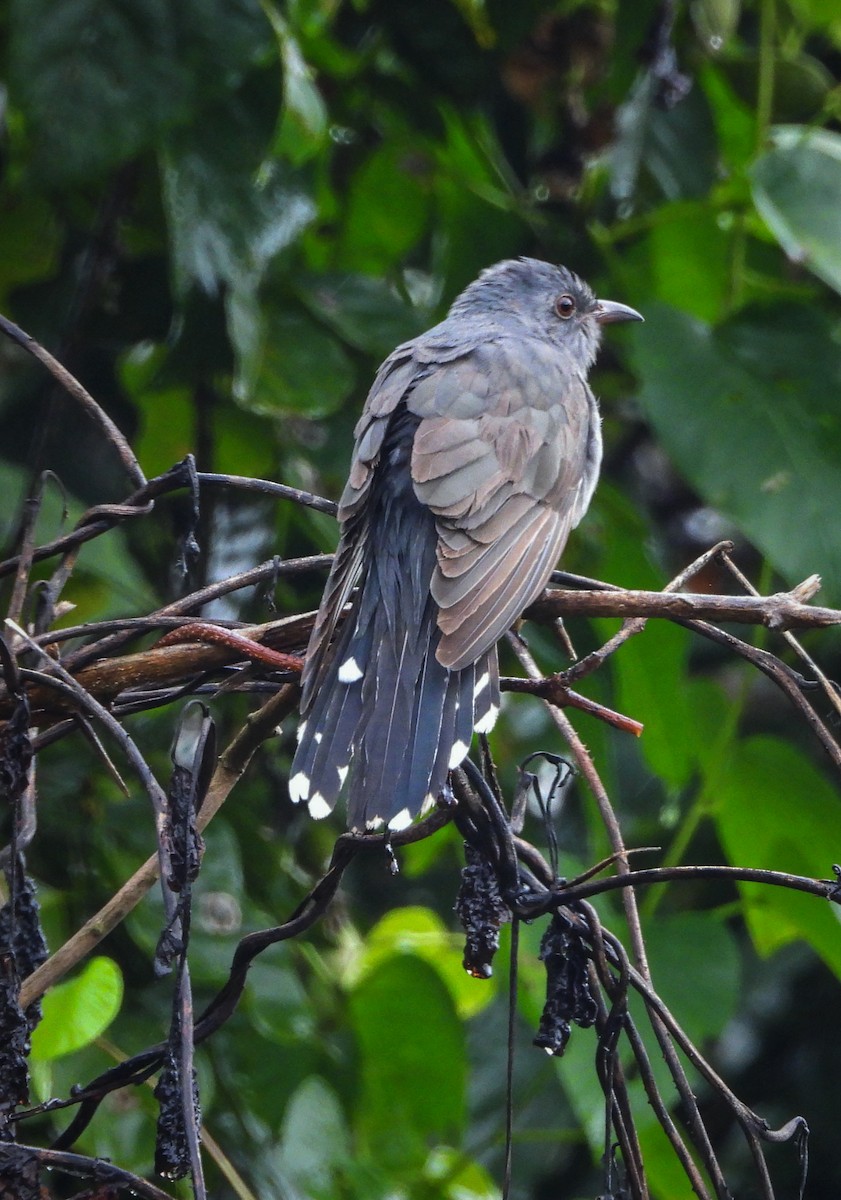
482 684
349 671
487 721
342 775
401 820
319 807
374 824
457 754
428 804
316 737
302 729
299 787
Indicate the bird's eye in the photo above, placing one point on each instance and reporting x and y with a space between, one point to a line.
565 306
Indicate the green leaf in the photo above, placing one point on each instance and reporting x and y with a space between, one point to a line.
28 239
228 213
653 687
286 362
735 122
99 81
412 1061
303 126
695 968
387 209
78 1010
821 13
314 1139
675 147
801 83
457 1177
775 810
796 186
715 21
652 669
749 416
420 931
365 311
690 259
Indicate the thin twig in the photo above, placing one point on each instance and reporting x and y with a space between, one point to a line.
589 773
232 764
80 394
98 1169
830 690
266 487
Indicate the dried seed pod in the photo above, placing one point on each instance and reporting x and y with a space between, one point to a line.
568 996
481 911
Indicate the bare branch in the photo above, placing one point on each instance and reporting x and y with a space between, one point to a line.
72 386
783 610
232 764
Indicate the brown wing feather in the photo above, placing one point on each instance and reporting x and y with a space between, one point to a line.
505 487
474 623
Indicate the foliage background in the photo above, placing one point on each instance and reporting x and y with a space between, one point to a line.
221 215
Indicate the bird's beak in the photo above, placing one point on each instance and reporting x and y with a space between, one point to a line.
608 312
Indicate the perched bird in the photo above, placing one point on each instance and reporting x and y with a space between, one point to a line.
477 452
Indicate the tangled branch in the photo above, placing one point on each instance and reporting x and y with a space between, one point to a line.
89 677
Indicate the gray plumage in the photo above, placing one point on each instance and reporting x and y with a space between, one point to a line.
477 452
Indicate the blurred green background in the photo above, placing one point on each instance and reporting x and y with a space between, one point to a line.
221 215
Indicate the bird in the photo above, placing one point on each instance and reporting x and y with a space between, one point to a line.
478 450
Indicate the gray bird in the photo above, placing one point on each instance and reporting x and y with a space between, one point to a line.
477 452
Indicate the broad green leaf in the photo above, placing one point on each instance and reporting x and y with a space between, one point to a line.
664 1174
304 121
651 670
695 969
690 254
775 810
278 1004
99 81
108 581
459 1178
675 147
168 414
287 362
78 1010
821 13
363 310
29 239
801 83
735 121
476 200
748 413
680 714
228 211
796 185
419 931
314 1138
168 428
387 208
412 1061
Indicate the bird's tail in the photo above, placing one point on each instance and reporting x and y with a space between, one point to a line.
386 716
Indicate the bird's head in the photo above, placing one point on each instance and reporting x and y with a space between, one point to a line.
546 301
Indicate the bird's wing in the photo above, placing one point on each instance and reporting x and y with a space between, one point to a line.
504 457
